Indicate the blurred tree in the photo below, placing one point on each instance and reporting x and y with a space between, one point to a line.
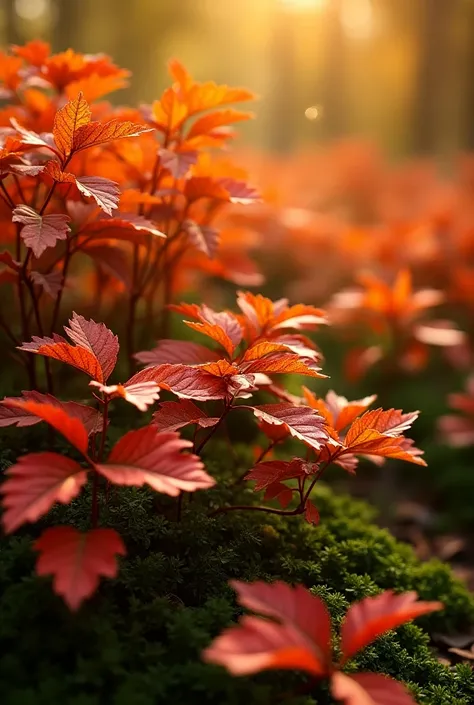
334 95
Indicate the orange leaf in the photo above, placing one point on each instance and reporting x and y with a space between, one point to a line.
68 120
64 352
96 338
372 616
95 86
283 363
149 457
35 483
96 133
77 560
207 123
216 333
70 427
14 416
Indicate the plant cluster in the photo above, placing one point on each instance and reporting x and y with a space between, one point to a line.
143 231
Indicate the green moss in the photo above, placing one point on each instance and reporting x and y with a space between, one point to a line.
138 641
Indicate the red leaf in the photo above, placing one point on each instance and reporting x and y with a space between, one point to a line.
371 617
97 339
301 638
149 457
369 689
204 187
59 349
302 422
70 427
68 120
141 395
203 237
123 226
176 351
77 560
311 513
40 231
283 363
186 382
208 123
110 259
269 472
12 415
280 492
173 415
7 260
106 193
35 483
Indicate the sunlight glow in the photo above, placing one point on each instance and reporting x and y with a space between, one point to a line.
313 112
31 10
305 5
358 18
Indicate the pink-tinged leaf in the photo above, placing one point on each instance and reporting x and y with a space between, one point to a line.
33 138
269 472
373 616
35 483
301 638
311 513
78 560
15 416
176 351
141 395
97 339
106 193
240 192
392 422
203 237
186 382
51 283
40 231
173 415
177 163
149 457
369 689
302 422
70 427
456 430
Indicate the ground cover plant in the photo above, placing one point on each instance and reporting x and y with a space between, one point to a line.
79 244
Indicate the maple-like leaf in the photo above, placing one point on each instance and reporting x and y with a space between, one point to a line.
15 416
173 415
372 616
96 338
141 395
302 422
68 120
186 382
178 162
271 472
369 689
300 639
34 483
219 118
240 191
40 231
71 427
215 332
337 410
92 134
78 560
106 193
149 457
203 237
176 352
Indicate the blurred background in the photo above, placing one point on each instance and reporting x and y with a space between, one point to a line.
398 71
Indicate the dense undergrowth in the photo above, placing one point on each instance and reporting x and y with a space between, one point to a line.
139 639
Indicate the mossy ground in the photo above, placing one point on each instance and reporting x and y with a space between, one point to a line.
138 640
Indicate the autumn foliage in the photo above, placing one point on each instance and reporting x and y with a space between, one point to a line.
292 630
120 210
